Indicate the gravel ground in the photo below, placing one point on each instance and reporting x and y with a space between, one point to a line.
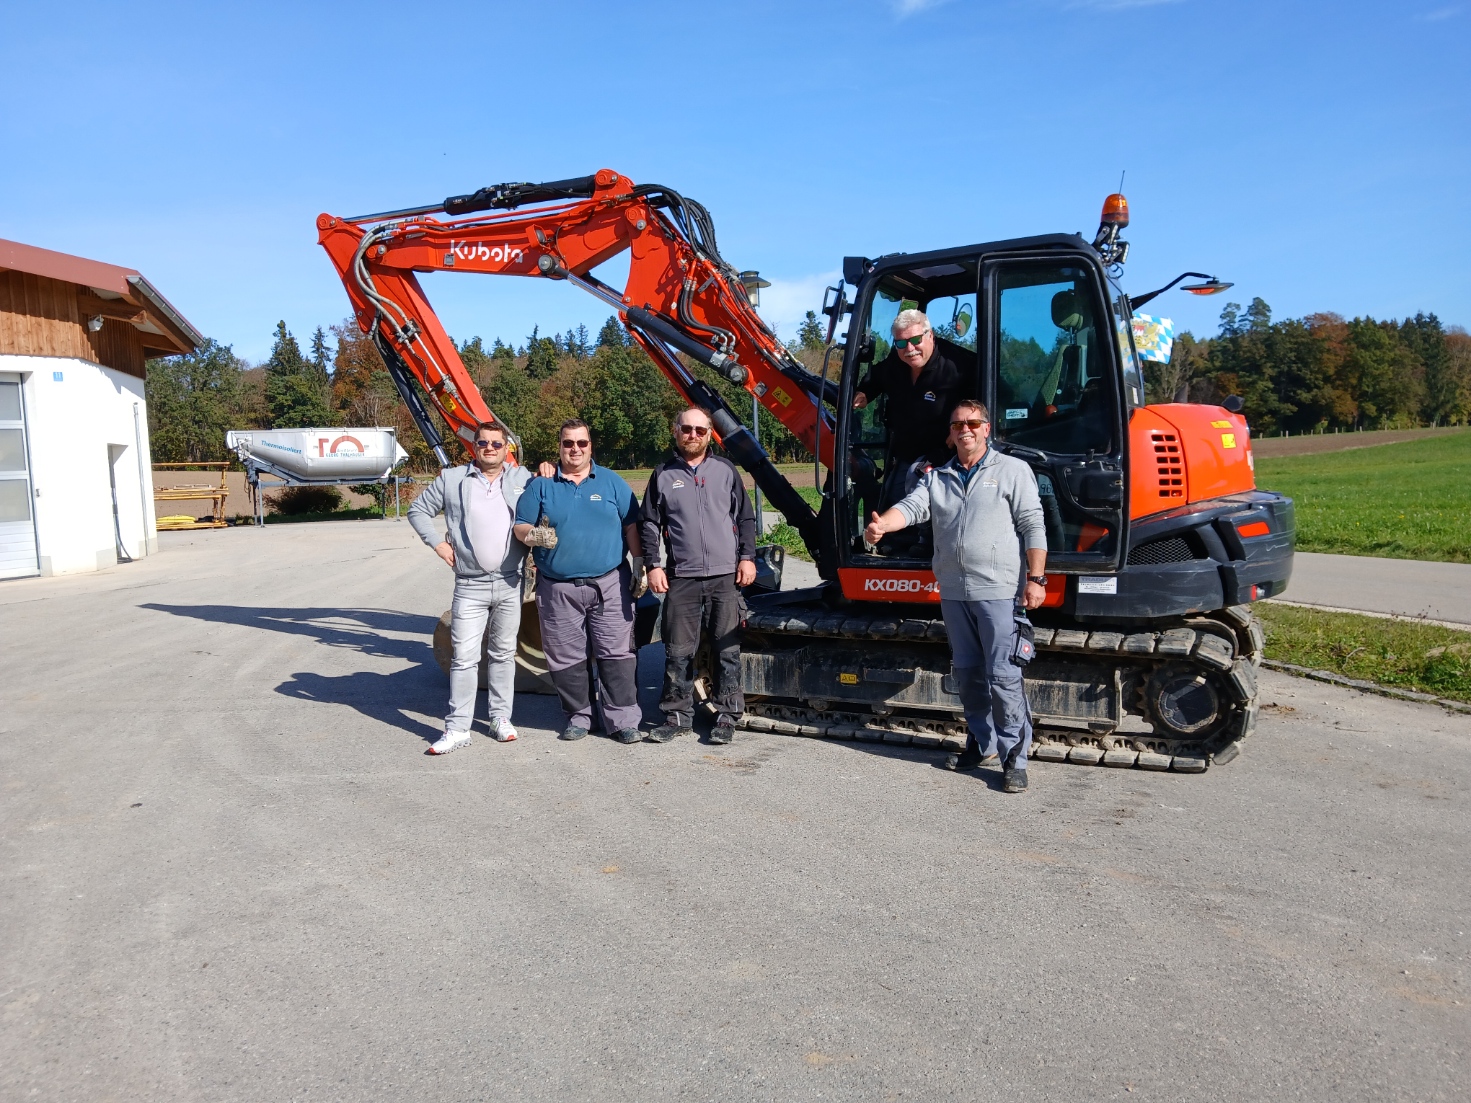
230 873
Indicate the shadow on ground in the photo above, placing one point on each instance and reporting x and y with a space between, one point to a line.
387 698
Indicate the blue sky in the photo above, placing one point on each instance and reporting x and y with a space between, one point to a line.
1315 154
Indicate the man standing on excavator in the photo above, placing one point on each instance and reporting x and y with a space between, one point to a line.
986 514
700 507
582 521
479 503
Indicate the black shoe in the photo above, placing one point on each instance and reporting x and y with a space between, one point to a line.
572 731
628 735
722 733
971 759
1016 781
665 732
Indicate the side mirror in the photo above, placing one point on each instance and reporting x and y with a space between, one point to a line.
1233 404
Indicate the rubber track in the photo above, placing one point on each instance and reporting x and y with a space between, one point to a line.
1225 646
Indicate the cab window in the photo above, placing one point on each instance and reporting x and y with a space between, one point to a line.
1053 388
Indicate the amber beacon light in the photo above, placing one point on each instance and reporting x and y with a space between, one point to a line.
1115 211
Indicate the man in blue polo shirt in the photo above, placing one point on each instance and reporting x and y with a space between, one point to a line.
579 523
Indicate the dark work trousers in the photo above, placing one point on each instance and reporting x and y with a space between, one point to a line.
982 636
691 604
591 617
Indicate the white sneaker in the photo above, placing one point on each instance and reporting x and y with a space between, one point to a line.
501 730
449 741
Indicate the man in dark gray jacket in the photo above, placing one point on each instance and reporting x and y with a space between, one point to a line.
697 503
478 501
987 516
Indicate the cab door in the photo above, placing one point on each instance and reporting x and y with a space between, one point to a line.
1053 380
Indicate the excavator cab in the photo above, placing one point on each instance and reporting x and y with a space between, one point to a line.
1047 356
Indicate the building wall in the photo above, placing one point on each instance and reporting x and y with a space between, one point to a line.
46 317
72 422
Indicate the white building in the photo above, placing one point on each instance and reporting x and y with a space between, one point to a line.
75 470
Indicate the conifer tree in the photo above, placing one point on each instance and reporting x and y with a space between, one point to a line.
293 398
611 336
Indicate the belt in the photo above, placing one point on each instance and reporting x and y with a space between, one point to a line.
584 581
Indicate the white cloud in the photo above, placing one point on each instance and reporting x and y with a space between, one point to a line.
785 302
1119 5
905 8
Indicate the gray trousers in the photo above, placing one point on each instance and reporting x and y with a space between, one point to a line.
982 635
591 617
494 600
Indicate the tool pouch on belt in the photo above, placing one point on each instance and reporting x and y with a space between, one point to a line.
1024 650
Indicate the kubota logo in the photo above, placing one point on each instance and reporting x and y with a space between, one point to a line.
899 585
467 250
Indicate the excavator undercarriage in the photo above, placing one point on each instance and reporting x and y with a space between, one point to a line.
1173 696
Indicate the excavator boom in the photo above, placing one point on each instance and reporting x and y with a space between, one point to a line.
682 303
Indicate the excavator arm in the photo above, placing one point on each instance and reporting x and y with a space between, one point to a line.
681 298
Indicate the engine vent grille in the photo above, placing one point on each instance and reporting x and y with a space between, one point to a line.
1172 549
1169 463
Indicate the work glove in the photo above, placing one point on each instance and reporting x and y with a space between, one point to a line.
542 535
640 578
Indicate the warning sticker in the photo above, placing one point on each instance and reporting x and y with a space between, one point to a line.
781 396
1094 584
1017 414
1228 440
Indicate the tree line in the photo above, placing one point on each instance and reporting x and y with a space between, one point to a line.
1298 375
609 382
1323 372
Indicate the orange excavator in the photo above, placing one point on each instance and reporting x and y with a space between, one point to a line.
1158 540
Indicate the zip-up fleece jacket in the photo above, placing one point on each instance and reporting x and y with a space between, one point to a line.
449 493
982 527
704 515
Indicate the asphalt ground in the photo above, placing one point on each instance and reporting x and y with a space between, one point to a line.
1398 587
230 873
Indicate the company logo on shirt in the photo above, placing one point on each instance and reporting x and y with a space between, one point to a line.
676 484
929 396
594 497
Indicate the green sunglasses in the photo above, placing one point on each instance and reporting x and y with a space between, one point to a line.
912 342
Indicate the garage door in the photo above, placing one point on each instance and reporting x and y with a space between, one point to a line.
17 521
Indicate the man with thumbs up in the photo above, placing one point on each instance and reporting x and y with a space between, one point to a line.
987 519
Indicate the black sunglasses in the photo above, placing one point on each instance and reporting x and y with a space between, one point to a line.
493 445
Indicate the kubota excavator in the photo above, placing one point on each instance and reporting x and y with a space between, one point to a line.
1158 540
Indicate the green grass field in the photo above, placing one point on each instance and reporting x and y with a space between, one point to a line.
1401 653
1400 501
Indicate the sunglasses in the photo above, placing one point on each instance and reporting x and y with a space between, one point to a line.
576 443
912 342
972 423
493 445
697 430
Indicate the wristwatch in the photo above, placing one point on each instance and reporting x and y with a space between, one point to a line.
1039 579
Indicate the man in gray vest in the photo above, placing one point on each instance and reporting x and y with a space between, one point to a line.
986 515
699 506
478 501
